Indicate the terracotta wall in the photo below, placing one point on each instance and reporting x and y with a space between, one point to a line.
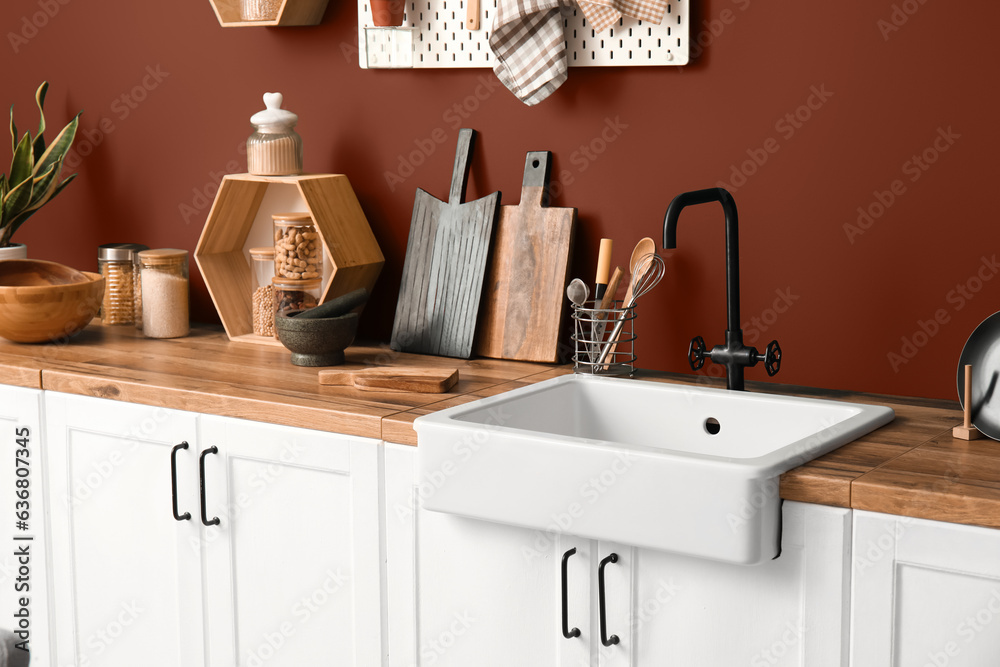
860 141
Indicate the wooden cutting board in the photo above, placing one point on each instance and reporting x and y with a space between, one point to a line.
445 263
419 380
526 281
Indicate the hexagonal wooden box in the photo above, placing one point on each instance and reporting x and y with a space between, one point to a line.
291 12
241 218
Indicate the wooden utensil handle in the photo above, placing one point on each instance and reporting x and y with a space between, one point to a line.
463 162
472 15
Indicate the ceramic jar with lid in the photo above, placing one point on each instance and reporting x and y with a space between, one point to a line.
116 262
275 148
164 280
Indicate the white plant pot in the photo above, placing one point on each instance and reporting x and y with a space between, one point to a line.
16 251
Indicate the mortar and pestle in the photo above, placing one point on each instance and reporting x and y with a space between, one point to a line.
318 336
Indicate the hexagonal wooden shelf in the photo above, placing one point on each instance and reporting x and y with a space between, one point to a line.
353 256
291 12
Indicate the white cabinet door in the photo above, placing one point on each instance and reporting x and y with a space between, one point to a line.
125 575
924 593
294 567
463 592
791 611
23 545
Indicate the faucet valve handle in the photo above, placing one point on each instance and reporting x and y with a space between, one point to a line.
772 358
696 353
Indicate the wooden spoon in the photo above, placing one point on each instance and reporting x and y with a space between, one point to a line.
644 247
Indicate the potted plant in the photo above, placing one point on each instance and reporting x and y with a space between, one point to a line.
34 175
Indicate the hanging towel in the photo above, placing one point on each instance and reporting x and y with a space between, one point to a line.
602 14
530 49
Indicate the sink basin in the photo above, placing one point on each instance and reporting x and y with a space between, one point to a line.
692 470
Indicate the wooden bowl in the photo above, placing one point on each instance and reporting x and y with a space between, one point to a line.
44 301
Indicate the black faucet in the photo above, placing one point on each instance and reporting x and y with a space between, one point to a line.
734 355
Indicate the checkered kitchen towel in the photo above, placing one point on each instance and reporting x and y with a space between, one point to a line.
528 43
602 14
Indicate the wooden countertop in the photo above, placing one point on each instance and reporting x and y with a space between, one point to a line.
911 466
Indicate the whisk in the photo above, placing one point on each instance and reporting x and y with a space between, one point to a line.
648 273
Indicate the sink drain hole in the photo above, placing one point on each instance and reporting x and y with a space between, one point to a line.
712 426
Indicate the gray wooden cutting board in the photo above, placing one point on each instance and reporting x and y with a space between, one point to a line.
445 264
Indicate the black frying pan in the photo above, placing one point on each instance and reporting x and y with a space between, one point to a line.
982 350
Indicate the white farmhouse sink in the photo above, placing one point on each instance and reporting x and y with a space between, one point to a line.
633 462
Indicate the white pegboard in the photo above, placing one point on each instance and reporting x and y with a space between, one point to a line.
439 38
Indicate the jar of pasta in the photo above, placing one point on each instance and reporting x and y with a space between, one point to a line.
116 262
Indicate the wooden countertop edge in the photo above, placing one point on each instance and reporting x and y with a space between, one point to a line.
322 417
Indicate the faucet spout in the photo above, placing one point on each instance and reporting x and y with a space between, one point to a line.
722 196
734 355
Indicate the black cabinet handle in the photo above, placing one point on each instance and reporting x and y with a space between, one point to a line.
173 482
613 639
567 633
204 517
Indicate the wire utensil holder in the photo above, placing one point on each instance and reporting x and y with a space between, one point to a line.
592 329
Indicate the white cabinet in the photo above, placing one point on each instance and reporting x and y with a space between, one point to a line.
465 592
126 577
487 594
22 549
924 593
791 611
293 569
289 575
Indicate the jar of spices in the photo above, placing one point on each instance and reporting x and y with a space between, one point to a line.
295 294
275 148
164 278
298 250
116 262
259 10
261 272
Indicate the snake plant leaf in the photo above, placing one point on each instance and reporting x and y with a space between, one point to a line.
19 220
44 187
15 201
57 150
39 145
3 186
21 165
13 130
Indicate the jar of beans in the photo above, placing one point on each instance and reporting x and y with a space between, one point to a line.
298 249
295 294
261 272
116 262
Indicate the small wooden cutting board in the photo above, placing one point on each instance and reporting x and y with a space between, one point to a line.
417 380
524 297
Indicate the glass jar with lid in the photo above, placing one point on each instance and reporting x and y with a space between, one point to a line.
116 262
259 10
275 148
298 249
262 296
292 295
164 280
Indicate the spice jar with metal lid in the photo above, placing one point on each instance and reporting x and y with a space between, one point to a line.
295 294
262 296
298 249
275 148
164 278
116 262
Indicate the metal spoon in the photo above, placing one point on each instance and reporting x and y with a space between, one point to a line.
577 292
